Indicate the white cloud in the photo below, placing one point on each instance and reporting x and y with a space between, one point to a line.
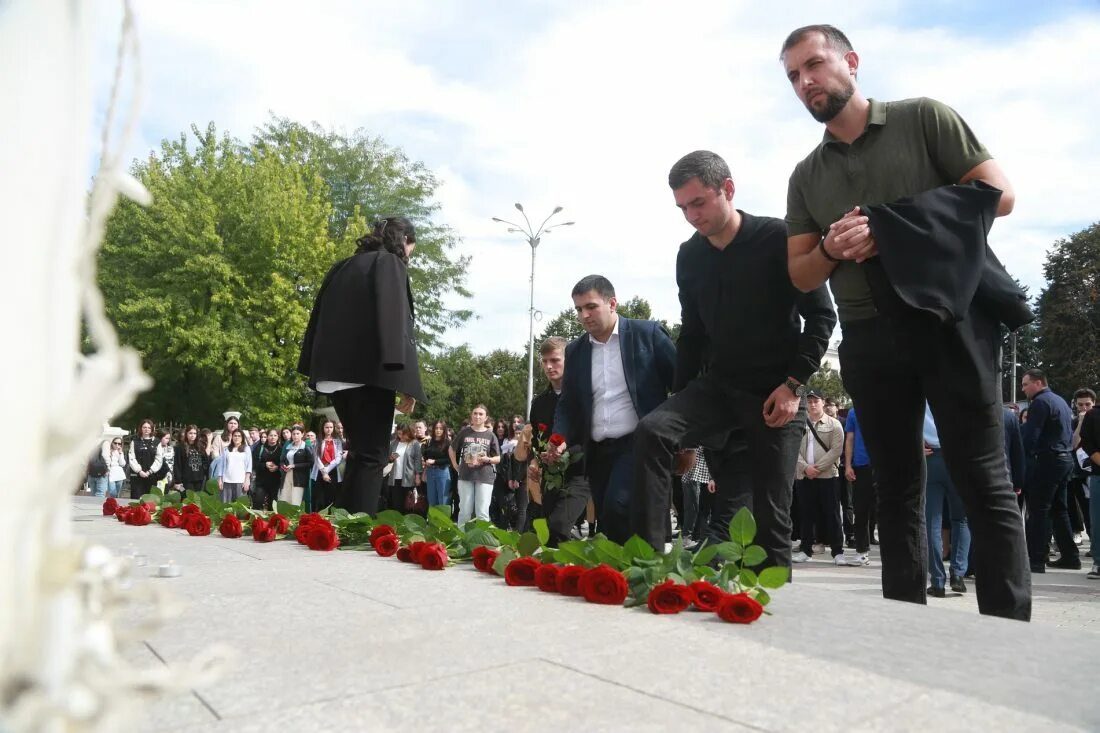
590 106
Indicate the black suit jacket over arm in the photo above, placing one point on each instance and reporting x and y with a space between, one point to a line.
361 327
934 257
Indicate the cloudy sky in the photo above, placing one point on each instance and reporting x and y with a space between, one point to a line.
587 104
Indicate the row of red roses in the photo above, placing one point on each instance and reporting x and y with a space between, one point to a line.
313 530
601 584
605 584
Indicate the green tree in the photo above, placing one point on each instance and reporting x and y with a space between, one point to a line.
213 282
827 381
1069 312
365 179
455 380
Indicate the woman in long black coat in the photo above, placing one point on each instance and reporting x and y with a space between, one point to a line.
360 348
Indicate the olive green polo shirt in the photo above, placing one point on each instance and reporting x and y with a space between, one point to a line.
908 147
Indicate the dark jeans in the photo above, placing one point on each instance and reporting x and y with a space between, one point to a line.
847 505
1079 504
1046 508
609 466
863 496
523 499
890 366
367 414
705 407
817 497
561 508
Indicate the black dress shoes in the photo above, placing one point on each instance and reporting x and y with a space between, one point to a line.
1065 563
958 584
936 592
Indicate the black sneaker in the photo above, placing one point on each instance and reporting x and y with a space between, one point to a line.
958 584
936 592
1065 563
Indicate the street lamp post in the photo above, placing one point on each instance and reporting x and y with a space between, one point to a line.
533 237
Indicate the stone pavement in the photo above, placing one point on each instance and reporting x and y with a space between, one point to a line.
353 642
1062 598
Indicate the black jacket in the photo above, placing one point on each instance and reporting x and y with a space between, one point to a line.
933 252
361 327
303 464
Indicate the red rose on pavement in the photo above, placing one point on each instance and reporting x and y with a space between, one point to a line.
739 608
484 557
669 597
604 584
122 513
404 554
556 439
386 545
321 536
139 516
110 506
415 550
150 506
546 578
280 523
521 571
171 518
433 556
706 595
380 531
262 531
310 518
191 509
197 525
230 526
569 579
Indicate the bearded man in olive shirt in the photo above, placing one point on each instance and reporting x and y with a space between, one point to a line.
875 153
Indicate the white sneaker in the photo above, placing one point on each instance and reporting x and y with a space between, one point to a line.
800 557
861 558
840 560
818 548
1078 538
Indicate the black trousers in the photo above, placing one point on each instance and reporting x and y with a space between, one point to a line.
863 496
704 408
264 494
1045 491
367 414
890 366
194 485
609 467
1079 504
847 505
140 486
561 508
729 467
818 498
324 492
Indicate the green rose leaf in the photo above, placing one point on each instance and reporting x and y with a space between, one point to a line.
441 517
154 498
729 551
528 544
754 555
774 577
705 555
742 527
748 578
637 549
542 530
507 555
760 595
609 552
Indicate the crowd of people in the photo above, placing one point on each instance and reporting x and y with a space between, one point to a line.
634 429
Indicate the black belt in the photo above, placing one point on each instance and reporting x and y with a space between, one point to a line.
612 442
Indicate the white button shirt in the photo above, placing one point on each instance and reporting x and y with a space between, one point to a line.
613 413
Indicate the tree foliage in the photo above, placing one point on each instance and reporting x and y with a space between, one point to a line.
827 381
213 283
455 380
366 179
1069 312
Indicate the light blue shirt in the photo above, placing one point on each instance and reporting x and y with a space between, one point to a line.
931 435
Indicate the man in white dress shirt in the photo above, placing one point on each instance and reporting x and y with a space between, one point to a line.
615 374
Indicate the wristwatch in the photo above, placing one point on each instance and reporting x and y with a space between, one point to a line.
795 386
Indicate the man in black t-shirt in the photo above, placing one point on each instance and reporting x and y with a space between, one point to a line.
742 358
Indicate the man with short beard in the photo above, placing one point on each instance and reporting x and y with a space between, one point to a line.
894 356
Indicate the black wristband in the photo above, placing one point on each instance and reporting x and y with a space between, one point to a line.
821 246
